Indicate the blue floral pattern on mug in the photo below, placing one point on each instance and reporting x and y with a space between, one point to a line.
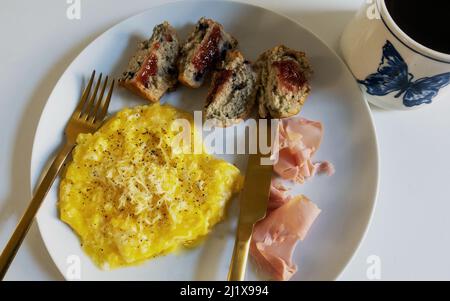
392 76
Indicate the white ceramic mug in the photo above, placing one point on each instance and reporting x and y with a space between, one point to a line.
394 71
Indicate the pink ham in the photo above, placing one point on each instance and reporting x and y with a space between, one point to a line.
299 139
278 195
275 237
324 167
289 218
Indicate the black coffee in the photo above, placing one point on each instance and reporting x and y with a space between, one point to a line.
426 22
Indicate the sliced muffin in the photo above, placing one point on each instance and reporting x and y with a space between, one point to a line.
152 70
283 86
233 90
204 49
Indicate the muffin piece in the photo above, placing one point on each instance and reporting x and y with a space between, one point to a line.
233 90
152 70
283 86
204 49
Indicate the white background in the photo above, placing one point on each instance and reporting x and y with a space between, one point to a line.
409 230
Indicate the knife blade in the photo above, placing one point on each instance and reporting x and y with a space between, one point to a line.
252 203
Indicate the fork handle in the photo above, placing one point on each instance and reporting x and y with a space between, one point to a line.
240 252
22 228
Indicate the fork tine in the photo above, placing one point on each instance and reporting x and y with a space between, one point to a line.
90 105
85 95
99 101
104 110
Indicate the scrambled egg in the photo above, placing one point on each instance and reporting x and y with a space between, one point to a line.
132 194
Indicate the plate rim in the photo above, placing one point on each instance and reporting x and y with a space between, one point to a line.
366 106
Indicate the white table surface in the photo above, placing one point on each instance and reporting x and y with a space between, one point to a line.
409 230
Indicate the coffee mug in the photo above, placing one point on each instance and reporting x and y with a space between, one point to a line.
394 70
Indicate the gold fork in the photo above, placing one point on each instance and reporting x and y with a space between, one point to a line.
87 118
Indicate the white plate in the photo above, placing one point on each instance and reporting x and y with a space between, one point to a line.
346 199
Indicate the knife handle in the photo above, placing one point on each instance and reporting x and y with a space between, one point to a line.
240 252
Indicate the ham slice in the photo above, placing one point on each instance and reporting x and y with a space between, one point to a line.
275 237
278 195
324 167
288 217
299 139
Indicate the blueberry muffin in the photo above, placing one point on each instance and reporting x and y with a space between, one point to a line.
152 70
233 90
204 49
283 82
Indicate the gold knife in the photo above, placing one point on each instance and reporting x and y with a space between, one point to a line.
252 206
